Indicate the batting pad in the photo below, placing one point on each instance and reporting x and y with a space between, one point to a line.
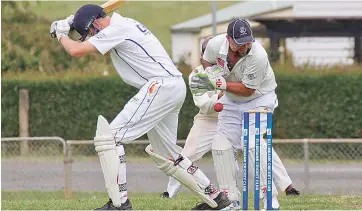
181 175
225 166
105 147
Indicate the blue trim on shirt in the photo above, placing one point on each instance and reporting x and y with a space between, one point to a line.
149 105
130 66
119 130
149 55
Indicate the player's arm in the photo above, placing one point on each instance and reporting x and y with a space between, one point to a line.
251 79
205 63
77 49
239 89
205 103
209 57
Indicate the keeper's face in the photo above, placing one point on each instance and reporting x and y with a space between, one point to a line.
239 49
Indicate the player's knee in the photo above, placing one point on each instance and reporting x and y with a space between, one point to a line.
220 142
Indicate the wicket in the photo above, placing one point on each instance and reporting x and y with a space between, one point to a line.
257 159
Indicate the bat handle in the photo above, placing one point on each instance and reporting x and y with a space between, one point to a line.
53 34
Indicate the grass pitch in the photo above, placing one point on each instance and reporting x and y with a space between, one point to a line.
142 201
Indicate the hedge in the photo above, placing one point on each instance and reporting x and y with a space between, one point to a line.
309 106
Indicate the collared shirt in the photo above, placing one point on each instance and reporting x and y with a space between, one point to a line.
136 53
206 101
253 70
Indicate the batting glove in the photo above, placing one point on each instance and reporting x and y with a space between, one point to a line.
61 28
70 19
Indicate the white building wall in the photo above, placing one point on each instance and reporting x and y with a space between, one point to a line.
327 8
182 44
321 51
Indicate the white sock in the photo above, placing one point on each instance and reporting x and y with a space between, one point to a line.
122 181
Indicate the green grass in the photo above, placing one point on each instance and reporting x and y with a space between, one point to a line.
142 201
158 16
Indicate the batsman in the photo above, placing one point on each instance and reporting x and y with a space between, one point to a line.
236 64
142 62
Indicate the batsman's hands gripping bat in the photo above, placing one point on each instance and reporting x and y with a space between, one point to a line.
62 27
108 7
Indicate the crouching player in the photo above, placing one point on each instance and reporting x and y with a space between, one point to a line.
201 140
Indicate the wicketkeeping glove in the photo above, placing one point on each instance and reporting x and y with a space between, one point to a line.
198 86
216 71
211 83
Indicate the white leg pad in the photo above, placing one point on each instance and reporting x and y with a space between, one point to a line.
225 166
181 175
105 147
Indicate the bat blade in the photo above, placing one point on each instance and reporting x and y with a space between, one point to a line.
112 5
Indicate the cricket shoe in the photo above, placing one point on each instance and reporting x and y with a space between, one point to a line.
223 203
275 203
235 205
109 206
165 195
292 192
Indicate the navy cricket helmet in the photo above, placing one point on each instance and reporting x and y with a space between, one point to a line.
84 18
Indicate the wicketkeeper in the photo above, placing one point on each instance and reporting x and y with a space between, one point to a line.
201 136
238 65
142 62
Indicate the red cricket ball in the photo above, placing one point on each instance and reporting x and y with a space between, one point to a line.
218 107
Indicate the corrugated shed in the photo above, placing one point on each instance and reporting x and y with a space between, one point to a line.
243 9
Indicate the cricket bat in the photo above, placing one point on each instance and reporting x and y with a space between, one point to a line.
112 5
108 7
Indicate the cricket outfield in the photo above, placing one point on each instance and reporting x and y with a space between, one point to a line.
40 184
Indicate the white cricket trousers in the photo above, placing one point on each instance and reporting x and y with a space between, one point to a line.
199 142
153 110
230 125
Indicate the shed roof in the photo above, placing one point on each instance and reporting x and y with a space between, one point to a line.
240 10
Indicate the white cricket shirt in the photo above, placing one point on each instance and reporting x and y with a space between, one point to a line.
206 101
253 70
136 53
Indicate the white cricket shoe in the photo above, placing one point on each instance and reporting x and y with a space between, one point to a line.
275 202
235 205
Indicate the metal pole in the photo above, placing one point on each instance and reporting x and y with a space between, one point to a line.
213 8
